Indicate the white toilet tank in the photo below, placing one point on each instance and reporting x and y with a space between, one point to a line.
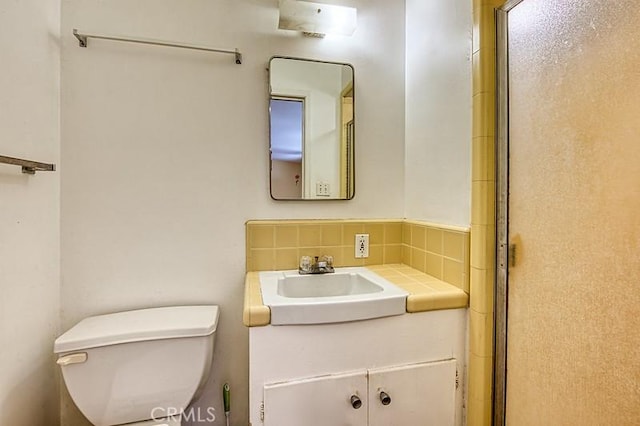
137 365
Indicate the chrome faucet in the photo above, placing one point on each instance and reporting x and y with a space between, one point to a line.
322 265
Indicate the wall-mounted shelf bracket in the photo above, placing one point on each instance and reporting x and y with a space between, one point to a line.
28 166
83 37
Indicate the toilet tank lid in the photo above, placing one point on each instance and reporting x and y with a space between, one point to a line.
139 325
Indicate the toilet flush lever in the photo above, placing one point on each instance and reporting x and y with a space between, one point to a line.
76 358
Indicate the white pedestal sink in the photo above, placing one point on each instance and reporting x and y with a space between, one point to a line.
348 294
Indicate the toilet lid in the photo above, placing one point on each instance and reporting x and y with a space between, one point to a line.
139 325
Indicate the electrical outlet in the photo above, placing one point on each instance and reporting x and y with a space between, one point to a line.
362 245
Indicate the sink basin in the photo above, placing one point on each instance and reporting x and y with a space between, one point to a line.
348 294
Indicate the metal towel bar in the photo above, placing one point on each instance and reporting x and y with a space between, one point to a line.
83 36
28 166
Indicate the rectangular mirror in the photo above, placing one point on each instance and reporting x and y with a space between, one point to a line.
312 134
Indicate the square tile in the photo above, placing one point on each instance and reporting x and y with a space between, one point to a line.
393 233
349 231
480 333
418 237
375 255
260 236
261 260
406 233
331 235
434 240
453 245
309 235
392 253
375 231
286 258
418 259
434 265
453 272
286 236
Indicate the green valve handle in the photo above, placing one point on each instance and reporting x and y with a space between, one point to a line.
227 399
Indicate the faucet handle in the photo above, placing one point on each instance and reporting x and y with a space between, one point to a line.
328 260
305 264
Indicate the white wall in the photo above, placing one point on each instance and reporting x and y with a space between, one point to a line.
29 212
166 155
438 111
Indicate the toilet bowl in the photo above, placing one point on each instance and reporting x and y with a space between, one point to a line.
141 367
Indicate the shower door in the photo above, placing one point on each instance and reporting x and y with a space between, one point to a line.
573 222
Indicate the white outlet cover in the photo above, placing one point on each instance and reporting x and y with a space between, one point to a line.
362 246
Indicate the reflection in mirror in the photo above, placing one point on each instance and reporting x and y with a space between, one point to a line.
311 109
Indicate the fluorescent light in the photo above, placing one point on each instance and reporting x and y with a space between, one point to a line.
317 18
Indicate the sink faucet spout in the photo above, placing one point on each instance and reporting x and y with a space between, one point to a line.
323 265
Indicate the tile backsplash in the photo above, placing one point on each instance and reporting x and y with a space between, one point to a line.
438 250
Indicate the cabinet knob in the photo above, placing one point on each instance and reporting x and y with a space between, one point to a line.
356 402
385 398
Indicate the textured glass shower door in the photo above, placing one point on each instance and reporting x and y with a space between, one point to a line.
573 324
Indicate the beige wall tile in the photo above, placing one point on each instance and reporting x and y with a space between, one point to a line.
375 255
466 280
419 237
453 272
482 246
392 253
393 233
483 114
467 247
434 265
349 258
418 259
482 241
261 236
480 374
480 333
286 259
485 16
331 235
349 231
453 245
286 236
434 240
475 33
406 254
483 203
483 68
483 165
482 285
310 235
406 233
479 412
494 3
261 260
476 75
375 231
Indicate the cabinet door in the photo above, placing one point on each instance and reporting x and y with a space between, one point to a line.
319 401
418 395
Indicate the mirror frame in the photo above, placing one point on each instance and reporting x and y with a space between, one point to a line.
350 166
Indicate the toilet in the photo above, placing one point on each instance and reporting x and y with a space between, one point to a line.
141 367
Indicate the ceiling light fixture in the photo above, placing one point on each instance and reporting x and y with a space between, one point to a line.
317 19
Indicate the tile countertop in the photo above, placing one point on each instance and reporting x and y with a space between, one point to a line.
426 293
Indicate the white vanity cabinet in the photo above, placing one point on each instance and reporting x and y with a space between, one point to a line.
410 395
419 394
320 401
305 375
